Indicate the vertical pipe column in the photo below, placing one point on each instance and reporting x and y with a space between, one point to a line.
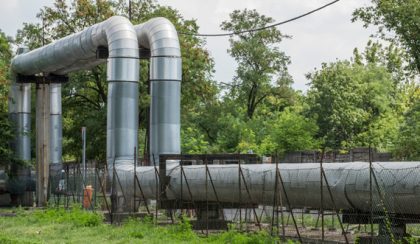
165 107
122 117
160 36
122 77
23 121
20 117
56 136
20 114
122 125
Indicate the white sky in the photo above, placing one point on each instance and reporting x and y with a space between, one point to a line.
321 37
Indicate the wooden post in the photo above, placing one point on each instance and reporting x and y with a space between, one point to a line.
42 142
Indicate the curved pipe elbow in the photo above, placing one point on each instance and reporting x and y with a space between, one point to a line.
160 36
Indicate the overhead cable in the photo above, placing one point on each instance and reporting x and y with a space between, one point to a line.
261 28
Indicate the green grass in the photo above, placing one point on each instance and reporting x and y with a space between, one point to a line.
79 226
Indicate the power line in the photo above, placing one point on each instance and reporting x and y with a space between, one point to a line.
261 28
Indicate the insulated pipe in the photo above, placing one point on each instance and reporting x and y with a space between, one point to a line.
78 51
160 36
349 184
20 115
56 136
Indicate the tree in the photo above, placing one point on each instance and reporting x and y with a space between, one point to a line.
291 132
279 132
401 17
408 141
6 132
346 99
260 62
391 57
85 96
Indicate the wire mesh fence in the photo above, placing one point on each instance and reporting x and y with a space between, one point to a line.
364 202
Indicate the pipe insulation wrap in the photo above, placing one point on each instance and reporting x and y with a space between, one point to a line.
349 184
77 52
160 36
23 138
20 114
122 122
56 133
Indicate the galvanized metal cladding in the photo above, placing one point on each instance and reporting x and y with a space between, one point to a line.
160 36
20 114
56 131
348 182
79 51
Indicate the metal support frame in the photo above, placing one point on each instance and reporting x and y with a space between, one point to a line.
188 187
324 177
42 79
276 205
114 193
371 193
249 196
214 189
288 203
207 200
387 220
191 203
240 194
104 195
158 182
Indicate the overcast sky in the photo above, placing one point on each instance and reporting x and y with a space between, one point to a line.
321 37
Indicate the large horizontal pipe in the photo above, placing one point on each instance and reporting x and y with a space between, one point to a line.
349 183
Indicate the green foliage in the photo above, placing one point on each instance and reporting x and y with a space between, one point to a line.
293 132
193 141
235 237
400 17
366 101
391 57
346 98
54 225
281 132
260 62
407 146
6 130
76 217
6 135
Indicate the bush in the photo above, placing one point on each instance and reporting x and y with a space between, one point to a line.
76 216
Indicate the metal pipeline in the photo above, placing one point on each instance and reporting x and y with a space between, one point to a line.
56 131
20 115
160 36
76 52
349 184
19 103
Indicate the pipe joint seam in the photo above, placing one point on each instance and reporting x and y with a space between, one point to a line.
124 57
169 80
166 56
